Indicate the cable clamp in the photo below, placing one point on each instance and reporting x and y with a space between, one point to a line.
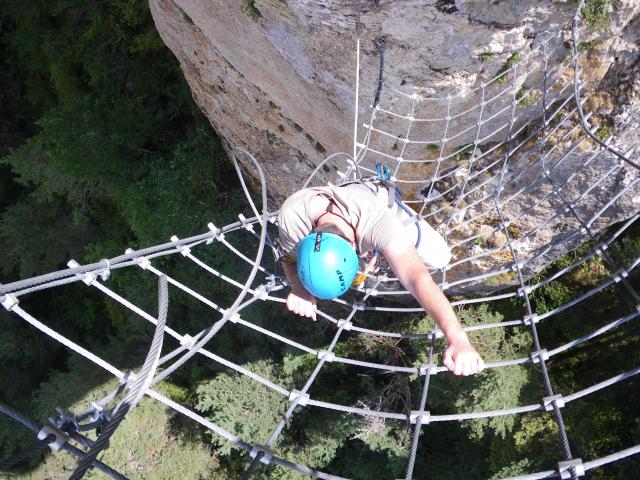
267 453
430 368
346 324
61 437
261 292
620 274
300 397
358 306
539 355
549 403
186 340
9 301
217 233
245 223
326 356
183 249
87 278
528 319
97 412
142 262
234 318
564 468
415 414
438 334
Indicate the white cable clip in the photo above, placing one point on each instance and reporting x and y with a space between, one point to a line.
245 223
261 292
530 318
60 440
183 249
9 301
302 398
428 367
549 403
88 278
564 468
187 340
217 233
142 262
415 414
267 453
345 324
538 355
97 410
326 356
620 274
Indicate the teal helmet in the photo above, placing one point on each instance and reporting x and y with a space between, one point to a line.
327 264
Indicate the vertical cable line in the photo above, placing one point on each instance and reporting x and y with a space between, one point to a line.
355 113
536 342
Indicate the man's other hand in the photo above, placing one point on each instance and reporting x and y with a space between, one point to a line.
302 303
462 359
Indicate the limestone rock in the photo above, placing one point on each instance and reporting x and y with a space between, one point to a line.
278 77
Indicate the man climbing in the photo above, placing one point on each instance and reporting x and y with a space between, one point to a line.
322 228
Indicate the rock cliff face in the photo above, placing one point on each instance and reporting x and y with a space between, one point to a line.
277 77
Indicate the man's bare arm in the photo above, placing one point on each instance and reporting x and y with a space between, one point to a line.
460 356
299 300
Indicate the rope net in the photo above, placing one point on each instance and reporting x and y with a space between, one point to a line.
513 175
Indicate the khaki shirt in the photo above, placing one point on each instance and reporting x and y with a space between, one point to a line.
374 223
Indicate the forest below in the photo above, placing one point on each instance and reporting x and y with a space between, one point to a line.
102 148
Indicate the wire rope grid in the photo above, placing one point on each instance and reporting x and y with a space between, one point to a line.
161 398
536 342
464 416
301 396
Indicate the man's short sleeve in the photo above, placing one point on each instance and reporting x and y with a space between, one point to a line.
294 222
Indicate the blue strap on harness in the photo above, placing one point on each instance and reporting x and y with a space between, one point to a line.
382 172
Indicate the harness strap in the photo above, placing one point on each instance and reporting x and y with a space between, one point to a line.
331 208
